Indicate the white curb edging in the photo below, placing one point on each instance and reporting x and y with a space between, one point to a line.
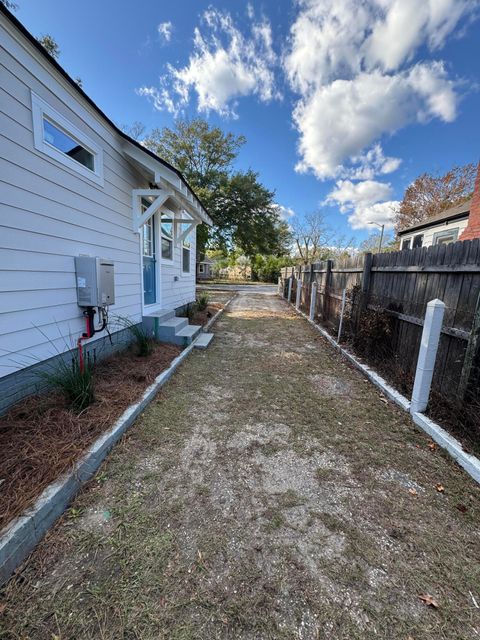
214 318
469 462
20 537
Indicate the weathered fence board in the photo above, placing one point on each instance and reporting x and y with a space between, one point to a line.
401 284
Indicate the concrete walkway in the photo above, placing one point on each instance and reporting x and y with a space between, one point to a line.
269 492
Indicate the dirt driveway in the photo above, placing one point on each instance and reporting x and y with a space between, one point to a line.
269 492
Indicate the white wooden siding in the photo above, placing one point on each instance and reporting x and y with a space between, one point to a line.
50 213
429 233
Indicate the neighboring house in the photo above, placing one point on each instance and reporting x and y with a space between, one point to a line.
72 184
205 269
457 223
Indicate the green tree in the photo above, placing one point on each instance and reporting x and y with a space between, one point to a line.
202 153
48 42
242 208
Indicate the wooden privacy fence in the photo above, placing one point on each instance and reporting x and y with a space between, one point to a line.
399 285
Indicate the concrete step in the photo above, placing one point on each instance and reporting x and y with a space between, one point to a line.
187 334
204 339
168 329
161 314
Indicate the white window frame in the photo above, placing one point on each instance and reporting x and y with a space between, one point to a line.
41 110
188 248
438 235
170 214
201 268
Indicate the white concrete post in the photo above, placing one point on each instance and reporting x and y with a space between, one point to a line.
299 291
432 328
342 313
313 301
289 295
280 289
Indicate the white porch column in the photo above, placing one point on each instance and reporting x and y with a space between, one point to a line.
432 328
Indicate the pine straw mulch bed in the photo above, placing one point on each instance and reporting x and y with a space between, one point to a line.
202 317
40 438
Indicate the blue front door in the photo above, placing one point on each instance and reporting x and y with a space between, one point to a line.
149 263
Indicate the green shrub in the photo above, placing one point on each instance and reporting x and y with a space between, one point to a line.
77 386
202 300
143 341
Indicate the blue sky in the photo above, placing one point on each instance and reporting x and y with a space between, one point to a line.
343 103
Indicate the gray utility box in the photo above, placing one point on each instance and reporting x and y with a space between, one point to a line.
95 281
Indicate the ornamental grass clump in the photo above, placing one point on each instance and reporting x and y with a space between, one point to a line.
75 384
144 343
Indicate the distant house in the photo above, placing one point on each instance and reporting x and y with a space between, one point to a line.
89 218
205 269
457 223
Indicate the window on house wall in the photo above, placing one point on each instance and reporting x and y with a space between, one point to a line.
445 237
418 241
406 244
167 236
201 268
186 250
58 138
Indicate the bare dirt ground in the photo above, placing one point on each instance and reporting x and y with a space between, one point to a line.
269 492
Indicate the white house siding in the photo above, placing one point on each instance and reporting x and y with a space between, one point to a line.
50 213
429 233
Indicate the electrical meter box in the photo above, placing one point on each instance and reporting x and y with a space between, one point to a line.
95 281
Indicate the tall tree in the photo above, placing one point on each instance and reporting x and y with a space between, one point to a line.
429 195
242 208
49 43
203 154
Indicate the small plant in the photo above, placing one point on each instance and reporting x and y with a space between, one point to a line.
76 385
190 310
202 301
142 340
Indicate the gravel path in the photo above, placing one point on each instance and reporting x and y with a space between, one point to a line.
269 492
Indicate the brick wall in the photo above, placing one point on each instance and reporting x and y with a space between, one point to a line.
473 229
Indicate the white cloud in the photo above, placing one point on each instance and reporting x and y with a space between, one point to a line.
165 31
285 213
351 65
225 65
365 202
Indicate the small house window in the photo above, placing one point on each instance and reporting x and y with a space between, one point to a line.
58 138
201 268
167 236
406 244
445 237
418 241
67 145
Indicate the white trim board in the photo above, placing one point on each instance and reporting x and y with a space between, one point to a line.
470 463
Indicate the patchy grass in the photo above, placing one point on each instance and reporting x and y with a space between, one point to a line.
270 492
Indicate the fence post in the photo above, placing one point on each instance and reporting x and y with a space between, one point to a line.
299 292
289 294
344 297
471 354
279 284
432 328
328 277
366 275
313 300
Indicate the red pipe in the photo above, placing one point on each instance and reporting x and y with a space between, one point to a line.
85 336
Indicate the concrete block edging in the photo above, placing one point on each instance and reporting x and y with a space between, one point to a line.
215 317
21 536
469 462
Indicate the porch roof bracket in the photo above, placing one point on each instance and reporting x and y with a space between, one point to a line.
139 216
179 238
